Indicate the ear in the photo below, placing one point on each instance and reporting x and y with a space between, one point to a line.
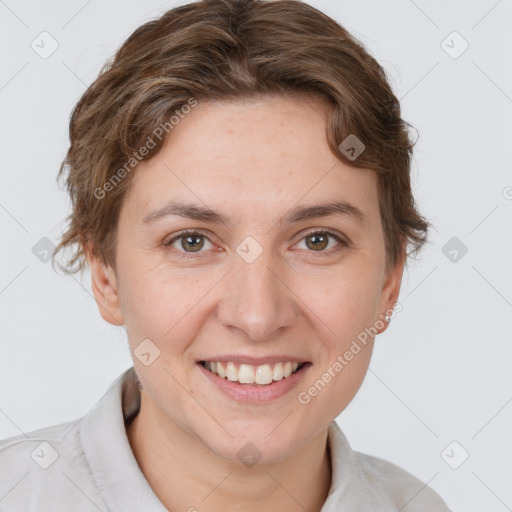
104 288
391 290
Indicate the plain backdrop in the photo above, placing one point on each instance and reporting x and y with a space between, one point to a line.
439 386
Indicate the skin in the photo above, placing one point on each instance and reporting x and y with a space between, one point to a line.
253 161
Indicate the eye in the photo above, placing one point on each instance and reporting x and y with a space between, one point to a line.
189 241
317 240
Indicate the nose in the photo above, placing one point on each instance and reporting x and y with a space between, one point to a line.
256 299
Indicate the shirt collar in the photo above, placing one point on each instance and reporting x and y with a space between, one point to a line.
124 486
108 452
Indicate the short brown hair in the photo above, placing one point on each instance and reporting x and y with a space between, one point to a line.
223 50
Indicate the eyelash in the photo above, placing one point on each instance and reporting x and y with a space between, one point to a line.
316 231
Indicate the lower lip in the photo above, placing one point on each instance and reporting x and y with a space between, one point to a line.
256 393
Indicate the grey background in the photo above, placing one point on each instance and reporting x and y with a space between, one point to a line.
440 374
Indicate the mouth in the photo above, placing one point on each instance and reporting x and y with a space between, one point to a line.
263 382
256 375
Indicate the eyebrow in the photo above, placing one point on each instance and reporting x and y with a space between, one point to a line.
297 214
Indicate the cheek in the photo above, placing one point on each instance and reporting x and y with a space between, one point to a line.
345 302
163 304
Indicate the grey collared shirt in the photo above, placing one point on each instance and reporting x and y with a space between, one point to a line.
88 466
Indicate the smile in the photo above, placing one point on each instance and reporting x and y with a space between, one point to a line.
253 384
248 374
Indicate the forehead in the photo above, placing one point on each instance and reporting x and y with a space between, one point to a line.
258 155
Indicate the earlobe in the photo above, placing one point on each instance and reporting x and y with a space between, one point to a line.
105 289
390 293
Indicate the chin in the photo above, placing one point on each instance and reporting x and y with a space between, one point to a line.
255 443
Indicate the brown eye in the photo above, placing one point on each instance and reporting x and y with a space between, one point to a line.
189 242
193 242
317 242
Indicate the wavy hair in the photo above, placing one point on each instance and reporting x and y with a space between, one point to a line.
228 50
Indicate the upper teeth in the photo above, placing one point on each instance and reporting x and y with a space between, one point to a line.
248 374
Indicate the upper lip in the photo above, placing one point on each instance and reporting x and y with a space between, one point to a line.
254 361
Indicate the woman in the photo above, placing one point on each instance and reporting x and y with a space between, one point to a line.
239 174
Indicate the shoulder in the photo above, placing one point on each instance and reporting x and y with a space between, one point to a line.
40 447
46 469
401 486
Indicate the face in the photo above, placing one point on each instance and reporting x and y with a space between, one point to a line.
250 280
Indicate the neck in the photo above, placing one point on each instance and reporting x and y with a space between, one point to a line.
186 475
